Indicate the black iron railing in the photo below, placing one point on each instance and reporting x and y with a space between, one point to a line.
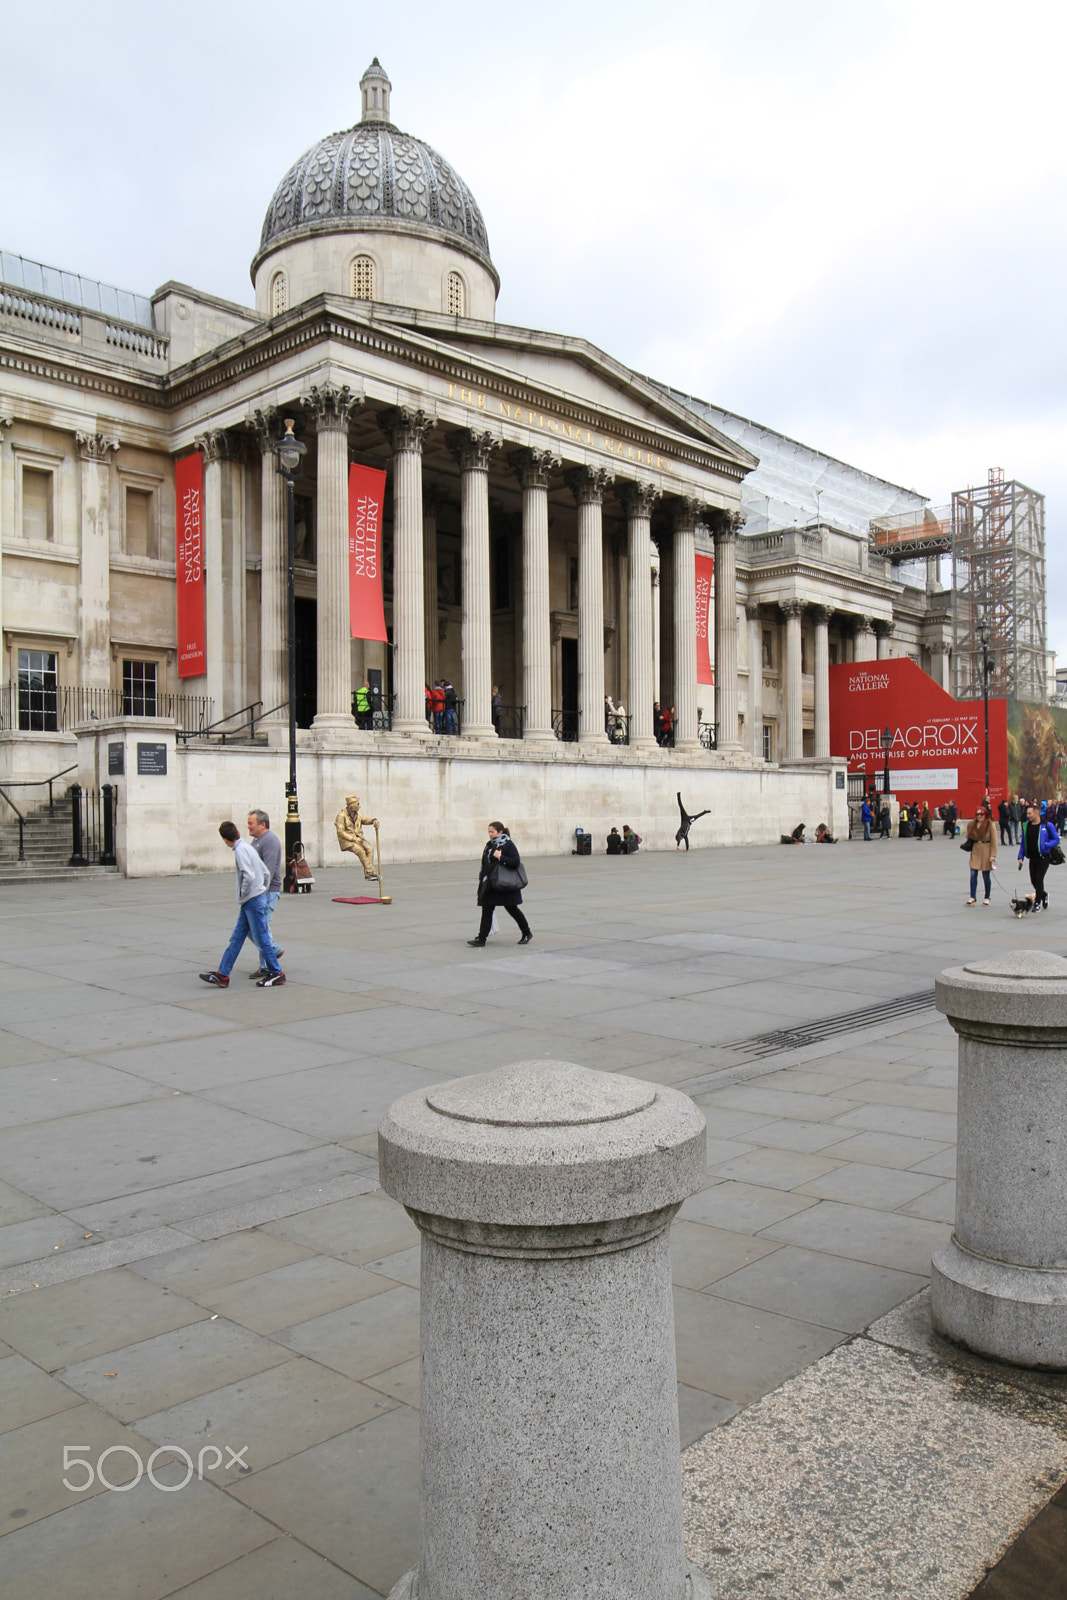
565 725
33 708
706 735
446 722
92 826
617 727
509 721
238 725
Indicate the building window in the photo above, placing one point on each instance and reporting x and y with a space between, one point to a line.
138 689
768 742
141 537
37 517
456 296
362 285
38 691
279 297
768 647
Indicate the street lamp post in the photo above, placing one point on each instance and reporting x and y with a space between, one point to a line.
983 639
290 452
887 745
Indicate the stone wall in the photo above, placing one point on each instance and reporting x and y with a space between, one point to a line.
435 807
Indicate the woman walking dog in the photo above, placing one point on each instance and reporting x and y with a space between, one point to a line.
501 880
982 838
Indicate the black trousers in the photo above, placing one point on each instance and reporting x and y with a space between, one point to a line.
1038 868
515 912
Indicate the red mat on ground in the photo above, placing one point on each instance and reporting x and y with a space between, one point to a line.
356 900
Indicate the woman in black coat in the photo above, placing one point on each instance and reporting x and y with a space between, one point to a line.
499 848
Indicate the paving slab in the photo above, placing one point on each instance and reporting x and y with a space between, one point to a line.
72 1322
357 1230
27 1394
742 1207
195 1270
884 1238
292 1293
361 1339
740 1352
701 1254
281 1570
828 1290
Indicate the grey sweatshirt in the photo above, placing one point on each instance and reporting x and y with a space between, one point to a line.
252 876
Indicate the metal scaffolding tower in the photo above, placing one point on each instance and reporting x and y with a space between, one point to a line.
998 576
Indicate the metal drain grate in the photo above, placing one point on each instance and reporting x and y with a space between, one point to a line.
782 1039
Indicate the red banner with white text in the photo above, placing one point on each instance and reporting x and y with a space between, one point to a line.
189 553
366 496
938 749
705 574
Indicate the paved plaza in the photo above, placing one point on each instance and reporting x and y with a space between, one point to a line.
194 1251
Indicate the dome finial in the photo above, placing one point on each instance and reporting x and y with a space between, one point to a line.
375 87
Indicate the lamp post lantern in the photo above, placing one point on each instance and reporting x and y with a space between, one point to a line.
290 451
983 639
887 745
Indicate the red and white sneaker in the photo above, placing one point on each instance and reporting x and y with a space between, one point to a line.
273 980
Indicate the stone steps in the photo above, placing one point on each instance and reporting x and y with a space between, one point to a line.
30 872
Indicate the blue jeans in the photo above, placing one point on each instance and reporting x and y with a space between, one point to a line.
974 882
270 905
251 924
866 830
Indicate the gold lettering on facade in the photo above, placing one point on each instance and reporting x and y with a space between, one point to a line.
528 418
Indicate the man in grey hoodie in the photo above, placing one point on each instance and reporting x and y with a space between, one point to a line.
253 881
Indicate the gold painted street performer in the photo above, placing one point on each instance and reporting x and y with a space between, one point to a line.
349 824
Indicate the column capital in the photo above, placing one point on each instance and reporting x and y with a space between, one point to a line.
792 608
262 424
7 418
638 498
753 609
217 444
725 525
93 446
473 448
860 623
587 484
332 406
535 467
882 628
939 647
821 614
686 512
406 428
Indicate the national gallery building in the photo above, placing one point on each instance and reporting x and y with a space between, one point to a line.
552 521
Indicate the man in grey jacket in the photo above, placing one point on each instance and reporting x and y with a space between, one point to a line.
268 848
253 879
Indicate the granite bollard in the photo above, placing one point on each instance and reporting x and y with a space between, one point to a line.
1000 1284
551 1468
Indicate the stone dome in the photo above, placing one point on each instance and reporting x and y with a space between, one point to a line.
373 175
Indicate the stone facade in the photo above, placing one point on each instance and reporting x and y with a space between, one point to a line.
543 509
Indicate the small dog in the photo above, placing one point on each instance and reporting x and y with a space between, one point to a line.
1022 908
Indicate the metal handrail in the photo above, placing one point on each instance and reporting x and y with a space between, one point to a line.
565 725
22 824
36 783
184 736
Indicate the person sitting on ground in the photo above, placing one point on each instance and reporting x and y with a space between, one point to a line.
823 834
615 843
630 839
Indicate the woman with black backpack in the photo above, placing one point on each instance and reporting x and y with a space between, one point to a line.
501 880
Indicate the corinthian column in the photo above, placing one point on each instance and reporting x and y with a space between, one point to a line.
794 701
473 450
755 677
863 640
429 580
883 632
332 408
685 628
588 485
273 594
639 498
535 470
94 606
407 429
821 615
724 532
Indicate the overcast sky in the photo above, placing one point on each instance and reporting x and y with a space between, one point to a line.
844 220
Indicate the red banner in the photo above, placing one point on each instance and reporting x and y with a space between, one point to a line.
366 494
938 750
189 552
705 573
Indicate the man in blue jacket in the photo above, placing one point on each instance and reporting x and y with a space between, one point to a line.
866 817
1038 841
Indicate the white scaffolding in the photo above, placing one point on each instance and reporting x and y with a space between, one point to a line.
998 576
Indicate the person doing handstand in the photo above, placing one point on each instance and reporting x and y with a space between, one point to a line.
682 836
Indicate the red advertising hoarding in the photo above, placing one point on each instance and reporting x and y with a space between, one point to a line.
938 750
189 553
705 573
366 496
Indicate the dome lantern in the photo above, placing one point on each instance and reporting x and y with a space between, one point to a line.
375 88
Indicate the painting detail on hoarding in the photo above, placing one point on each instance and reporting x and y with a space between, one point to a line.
1037 750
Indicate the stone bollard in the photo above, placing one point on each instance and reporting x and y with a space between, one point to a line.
551 1467
1000 1284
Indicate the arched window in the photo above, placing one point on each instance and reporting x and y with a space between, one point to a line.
362 284
279 298
456 300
